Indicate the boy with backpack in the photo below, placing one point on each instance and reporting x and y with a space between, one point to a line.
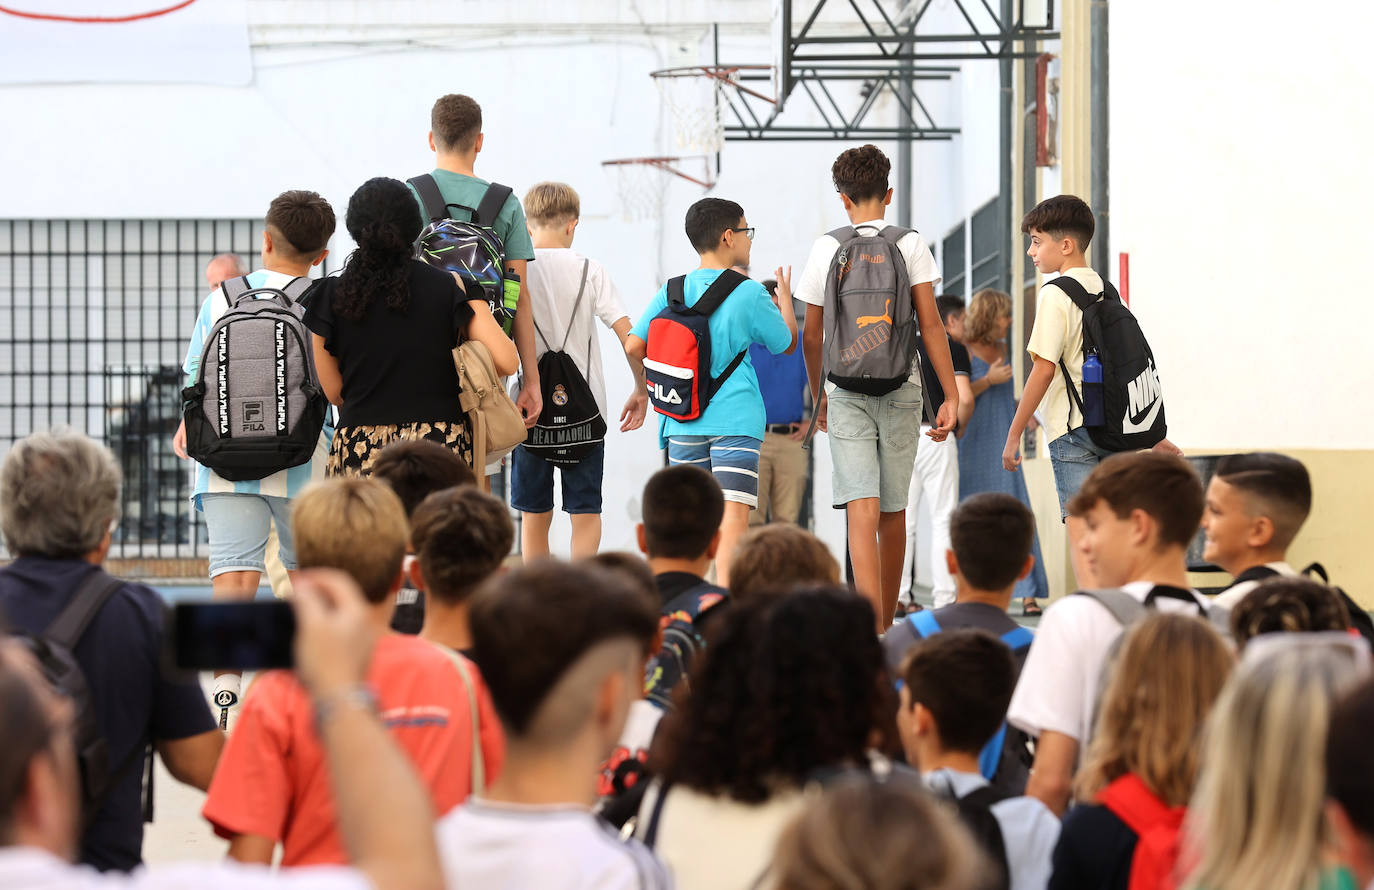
242 503
694 340
1081 321
477 230
569 291
1140 512
944 725
864 313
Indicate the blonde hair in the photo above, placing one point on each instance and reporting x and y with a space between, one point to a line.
1168 673
355 525
1256 819
552 203
858 836
980 319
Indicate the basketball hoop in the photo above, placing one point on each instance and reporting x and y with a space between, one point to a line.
642 183
695 96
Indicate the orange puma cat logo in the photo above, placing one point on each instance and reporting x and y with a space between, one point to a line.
866 320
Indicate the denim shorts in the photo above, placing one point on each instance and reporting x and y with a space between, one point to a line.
531 482
239 524
873 443
733 460
1073 456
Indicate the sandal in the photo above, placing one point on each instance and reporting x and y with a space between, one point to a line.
1030 608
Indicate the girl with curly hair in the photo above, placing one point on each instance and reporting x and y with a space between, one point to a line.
980 451
385 331
793 686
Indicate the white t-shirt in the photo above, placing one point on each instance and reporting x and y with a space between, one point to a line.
553 280
920 262
1029 829
1058 333
29 868
491 846
1232 595
717 843
1058 686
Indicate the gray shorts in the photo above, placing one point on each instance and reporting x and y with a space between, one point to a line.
873 444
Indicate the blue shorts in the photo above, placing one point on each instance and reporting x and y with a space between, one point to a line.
1073 456
733 460
531 483
239 524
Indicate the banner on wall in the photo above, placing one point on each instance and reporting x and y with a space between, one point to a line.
124 41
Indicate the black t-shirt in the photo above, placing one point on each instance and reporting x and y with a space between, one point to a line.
1095 849
671 585
902 636
934 392
120 655
397 367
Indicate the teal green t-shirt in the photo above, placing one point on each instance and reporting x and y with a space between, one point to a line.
459 188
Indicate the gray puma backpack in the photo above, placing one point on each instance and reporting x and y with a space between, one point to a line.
256 406
870 323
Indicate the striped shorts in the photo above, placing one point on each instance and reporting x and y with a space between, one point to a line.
733 460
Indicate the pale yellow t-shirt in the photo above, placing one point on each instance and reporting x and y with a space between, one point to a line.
1058 334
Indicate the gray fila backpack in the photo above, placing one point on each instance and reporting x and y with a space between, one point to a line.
870 323
256 406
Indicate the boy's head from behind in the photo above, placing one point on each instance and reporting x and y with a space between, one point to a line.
552 205
711 227
1134 507
1287 605
951 309
355 525
298 227
961 716
1060 229
461 537
779 557
1256 503
562 650
683 507
415 470
990 537
455 125
861 176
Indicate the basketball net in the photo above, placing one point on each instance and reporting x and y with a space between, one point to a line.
641 189
694 101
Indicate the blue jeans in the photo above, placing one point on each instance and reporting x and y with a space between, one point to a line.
239 523
1073 456
531 485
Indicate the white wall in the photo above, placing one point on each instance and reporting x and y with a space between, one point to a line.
1241 186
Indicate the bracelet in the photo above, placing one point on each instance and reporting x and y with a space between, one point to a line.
359 697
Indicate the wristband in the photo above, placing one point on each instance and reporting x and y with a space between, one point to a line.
360 697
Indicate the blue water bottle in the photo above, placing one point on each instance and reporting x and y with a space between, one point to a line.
1094 411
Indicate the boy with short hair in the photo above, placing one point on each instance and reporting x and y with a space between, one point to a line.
568 291
272 785
952 309
239 516
1060 229
456 138
873 437
1256 503
562 647
944 725
1139 511
461 537
726 438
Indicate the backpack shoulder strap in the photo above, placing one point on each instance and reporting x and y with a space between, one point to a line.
985 796
296 288
491 204
233 288
722 287
843 233
67 628
893 234
924 623
1018 638
1074 291
577 304
1317 569
676 295
1132 803
479 772
430 197
1125 608
651 830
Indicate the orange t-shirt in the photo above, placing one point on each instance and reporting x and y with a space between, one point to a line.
272 779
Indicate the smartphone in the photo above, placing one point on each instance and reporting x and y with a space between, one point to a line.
248 636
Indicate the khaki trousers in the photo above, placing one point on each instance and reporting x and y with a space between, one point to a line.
782 480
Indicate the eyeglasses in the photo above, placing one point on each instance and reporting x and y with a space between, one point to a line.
747 230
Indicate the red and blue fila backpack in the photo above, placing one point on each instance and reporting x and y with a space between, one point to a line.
677 366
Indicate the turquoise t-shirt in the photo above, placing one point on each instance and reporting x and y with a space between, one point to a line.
747 316
459 188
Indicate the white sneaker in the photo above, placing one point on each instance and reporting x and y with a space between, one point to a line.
226 699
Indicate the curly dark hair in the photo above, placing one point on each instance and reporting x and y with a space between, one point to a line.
1286 604
790 684
384 222
861 173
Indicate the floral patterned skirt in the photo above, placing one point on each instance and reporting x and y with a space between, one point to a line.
356 448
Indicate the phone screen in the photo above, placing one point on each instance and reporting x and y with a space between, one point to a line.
239 636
